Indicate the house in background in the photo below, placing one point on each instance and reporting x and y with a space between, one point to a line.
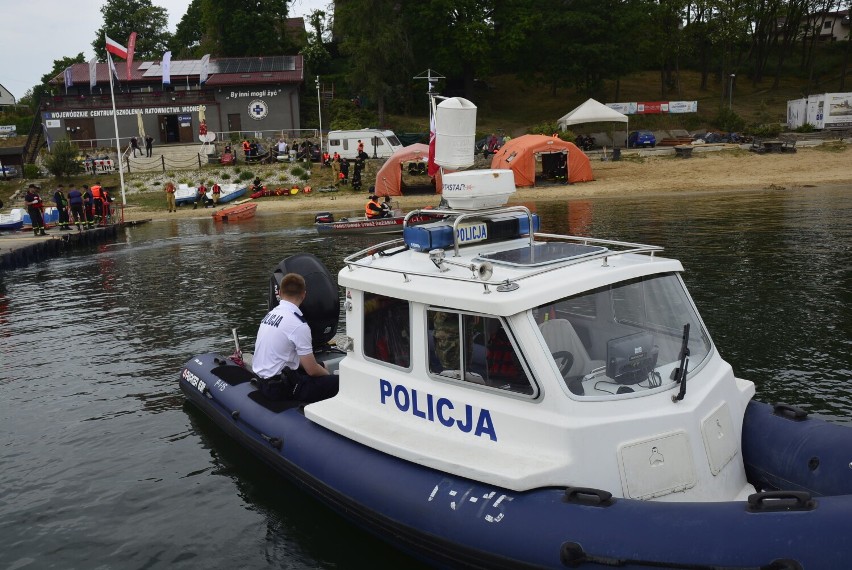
830 26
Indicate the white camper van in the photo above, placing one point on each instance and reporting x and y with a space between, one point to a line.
380 144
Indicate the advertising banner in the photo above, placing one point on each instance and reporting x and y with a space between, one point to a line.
683 106
623 108
651 108
837 110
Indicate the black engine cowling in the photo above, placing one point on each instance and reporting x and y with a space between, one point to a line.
324 218
321 307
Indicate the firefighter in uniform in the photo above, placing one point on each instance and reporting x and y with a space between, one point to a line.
35 207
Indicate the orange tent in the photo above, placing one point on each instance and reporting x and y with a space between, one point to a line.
389 177
519 154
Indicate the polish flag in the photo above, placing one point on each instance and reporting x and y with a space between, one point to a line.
116 48
431 167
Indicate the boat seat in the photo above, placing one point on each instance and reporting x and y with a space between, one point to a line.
559 334
273 405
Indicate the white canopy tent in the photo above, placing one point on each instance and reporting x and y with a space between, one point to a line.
593 112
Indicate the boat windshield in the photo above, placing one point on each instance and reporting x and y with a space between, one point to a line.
623 338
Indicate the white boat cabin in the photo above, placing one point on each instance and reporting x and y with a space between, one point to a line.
536 361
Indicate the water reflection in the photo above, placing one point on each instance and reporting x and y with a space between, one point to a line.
103 460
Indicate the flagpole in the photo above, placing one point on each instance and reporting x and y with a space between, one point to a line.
117 140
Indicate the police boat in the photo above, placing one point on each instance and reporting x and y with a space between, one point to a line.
511 398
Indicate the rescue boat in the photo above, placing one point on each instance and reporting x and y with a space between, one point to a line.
515 398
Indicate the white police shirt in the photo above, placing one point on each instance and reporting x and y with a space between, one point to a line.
281 339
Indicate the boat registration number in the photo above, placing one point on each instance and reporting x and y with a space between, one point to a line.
472 232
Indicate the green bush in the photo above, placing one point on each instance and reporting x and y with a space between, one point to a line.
805 128
765 131
245 175
31 171
62 160
728 120
297 171
550 128
226 176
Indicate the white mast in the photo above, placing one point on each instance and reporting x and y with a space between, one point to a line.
115 122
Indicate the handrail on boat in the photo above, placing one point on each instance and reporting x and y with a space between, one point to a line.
356 258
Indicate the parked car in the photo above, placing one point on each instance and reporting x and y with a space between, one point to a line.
8 172
641 139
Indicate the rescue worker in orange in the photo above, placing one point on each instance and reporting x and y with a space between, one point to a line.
217 190
201 195
98 201
373 209
170 196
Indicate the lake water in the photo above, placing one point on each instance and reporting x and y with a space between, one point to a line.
104 465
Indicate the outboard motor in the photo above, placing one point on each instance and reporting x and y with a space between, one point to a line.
324 218
321 306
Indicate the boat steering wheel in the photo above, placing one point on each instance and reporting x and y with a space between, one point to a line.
564 360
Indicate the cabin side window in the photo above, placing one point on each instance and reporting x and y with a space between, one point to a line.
334 142
479 346
387 328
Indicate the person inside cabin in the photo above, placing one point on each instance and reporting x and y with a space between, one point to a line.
284 358
373 209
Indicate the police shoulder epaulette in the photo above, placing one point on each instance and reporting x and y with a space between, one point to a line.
300 317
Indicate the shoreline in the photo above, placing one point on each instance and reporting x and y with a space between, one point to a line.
724 171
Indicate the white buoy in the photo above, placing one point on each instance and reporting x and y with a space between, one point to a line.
455 133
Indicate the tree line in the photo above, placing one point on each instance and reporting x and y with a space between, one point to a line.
374 48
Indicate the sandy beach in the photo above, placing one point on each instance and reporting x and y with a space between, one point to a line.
704 172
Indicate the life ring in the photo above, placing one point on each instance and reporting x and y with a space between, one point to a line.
307 190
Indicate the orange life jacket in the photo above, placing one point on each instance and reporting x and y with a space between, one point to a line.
371 213
217 189
96 192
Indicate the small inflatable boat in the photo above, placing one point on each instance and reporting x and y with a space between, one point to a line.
516 399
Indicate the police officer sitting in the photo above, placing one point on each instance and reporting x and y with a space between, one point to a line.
283 355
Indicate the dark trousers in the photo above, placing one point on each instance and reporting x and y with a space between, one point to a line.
36 218
148 151
77 213
299 387
63 216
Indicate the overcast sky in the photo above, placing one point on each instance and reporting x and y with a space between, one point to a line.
35 33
